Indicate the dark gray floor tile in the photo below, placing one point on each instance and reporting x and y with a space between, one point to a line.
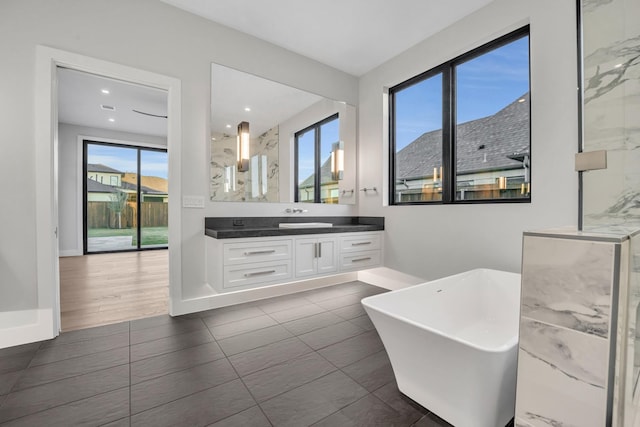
94 411
81 348
220 316
231 329
364 322
252 417
249 341
20 349
330 335
36 399
67 368
150 322
202 408
284 302
432 420
342 301
268 355
313 401
311 323
8 380
366 412
350 311
158 391
372 372
170 344
298 312
405 406
15 362
89 333
123 422
157 366
166 330
352 349
286 376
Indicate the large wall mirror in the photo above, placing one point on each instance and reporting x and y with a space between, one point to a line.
274 143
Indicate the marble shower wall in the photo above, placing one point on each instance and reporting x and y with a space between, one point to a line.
259 183
565 322
611 52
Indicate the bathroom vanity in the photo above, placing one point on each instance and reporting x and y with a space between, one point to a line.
246 253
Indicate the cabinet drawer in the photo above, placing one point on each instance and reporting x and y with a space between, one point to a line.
271 250
360 242
263 272
359 260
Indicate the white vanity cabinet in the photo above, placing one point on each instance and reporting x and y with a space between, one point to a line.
316 256
245 263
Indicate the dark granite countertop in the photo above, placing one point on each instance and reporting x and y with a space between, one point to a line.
237 227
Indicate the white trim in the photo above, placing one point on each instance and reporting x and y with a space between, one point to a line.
47 60
24 326
122 142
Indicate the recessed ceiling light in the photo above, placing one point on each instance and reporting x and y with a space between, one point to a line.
247 109
228 126
617 66
105 91
521 100
111 119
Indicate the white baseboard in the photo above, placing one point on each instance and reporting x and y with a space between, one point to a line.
25 326
387 278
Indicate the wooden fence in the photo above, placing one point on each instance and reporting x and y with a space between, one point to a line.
152 214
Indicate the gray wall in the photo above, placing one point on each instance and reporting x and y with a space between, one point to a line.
69 183
435 241
145 34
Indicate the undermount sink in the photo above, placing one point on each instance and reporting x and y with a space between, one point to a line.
305 224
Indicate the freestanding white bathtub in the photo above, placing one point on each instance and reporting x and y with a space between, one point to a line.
453 344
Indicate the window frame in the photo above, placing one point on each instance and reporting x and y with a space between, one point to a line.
447 69
317 160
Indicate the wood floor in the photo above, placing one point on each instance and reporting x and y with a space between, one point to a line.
102 289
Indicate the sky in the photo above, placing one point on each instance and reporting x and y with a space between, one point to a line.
484 85
152 163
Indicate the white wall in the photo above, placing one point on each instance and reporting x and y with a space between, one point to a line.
70 182
434 241
145 34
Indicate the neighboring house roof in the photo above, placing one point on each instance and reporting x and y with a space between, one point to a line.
98 167
155 182
502 134
325 175
98 187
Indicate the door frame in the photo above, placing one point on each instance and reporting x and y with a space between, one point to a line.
46 168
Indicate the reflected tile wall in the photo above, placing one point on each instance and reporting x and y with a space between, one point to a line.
229 185
611 43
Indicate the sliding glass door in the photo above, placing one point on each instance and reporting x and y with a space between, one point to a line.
125 198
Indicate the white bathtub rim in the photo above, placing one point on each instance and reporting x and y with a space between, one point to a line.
505 346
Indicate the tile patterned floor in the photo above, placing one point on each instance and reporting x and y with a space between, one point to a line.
312 358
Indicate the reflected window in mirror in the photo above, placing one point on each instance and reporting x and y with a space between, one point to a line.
315 179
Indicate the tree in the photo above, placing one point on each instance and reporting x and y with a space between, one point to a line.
117 204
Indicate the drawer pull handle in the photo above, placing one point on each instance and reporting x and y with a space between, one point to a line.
270 251
361 259
361 244
259 273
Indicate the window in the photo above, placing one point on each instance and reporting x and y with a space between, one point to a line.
314 181
460 133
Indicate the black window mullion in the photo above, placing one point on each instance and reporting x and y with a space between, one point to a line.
317 165
139 203
448 163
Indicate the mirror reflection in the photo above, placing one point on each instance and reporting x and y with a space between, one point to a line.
274 143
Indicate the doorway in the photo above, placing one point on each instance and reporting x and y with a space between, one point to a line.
125 196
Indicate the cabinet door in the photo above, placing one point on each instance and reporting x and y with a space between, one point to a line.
305 255
327 257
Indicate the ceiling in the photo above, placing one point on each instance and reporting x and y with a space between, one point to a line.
354 36
81 101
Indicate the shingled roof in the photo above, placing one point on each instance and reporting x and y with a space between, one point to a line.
481 145
98 167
